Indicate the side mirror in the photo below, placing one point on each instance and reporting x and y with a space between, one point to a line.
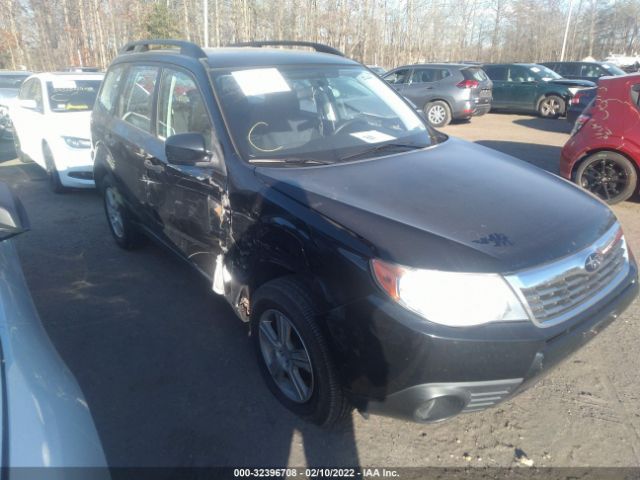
30 104
185 149
13 217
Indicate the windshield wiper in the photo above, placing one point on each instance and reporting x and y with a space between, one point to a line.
290 161
382 147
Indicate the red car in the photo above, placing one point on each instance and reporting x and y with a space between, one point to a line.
603 152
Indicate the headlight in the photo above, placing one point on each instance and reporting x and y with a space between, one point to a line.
75 142
450 298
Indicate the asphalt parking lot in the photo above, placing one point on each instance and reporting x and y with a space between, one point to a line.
170 376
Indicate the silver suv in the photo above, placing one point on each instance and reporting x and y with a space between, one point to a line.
445 91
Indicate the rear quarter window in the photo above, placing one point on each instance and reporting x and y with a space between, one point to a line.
635 95
496 72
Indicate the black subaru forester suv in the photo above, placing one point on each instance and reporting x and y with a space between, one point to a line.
380 264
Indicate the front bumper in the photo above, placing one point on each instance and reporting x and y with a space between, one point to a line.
429 373
75 167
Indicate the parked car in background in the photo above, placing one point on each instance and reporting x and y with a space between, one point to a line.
444 91
338 225
591 71
628 63
532 88
603 153
579 102
45 418
81 69
51 120
377 70
9 87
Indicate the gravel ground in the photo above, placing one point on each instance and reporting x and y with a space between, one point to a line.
171 380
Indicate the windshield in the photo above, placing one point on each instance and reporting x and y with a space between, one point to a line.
613 70
66 95
544 73
322 114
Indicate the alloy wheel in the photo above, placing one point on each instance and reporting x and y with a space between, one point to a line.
550 107
286 356
605 178
113 212
436 114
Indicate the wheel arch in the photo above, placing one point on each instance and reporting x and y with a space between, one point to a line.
438 99
593 151
564 97
101 165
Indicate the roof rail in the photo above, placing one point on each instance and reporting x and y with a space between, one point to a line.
186 48
318 47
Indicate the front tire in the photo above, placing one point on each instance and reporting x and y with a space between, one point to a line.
608 175
552 106
124 231
293 355
17 147
55 184
438 113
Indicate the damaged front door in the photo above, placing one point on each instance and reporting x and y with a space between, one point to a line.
192 215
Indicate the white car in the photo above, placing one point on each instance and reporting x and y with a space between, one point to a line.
51 120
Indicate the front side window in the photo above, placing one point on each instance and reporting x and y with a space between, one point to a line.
27 90
519 74
398 77
181 108
540 72
592 70
111 86
317 113
72 95
136 102
37 95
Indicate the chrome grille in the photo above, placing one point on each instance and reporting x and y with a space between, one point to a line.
557 291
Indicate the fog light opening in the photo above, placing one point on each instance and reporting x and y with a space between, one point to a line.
439 408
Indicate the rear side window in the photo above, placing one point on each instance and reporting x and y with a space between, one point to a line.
474 73
111 86
427 75
136 102
181 108
496 72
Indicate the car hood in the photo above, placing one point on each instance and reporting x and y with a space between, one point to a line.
568 82
454 206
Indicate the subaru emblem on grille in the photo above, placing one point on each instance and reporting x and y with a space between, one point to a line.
593 262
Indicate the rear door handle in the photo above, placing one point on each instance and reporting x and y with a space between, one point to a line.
153 167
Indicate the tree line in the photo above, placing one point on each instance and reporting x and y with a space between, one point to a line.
52 34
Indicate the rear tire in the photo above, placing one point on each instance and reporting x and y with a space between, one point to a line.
124 231
296 365
438 113
52 172
608 175
552 106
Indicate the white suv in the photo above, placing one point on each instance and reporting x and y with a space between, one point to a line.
51 119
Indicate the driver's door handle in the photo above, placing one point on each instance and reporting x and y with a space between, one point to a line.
153 167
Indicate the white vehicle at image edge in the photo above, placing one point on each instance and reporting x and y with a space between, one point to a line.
51 120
